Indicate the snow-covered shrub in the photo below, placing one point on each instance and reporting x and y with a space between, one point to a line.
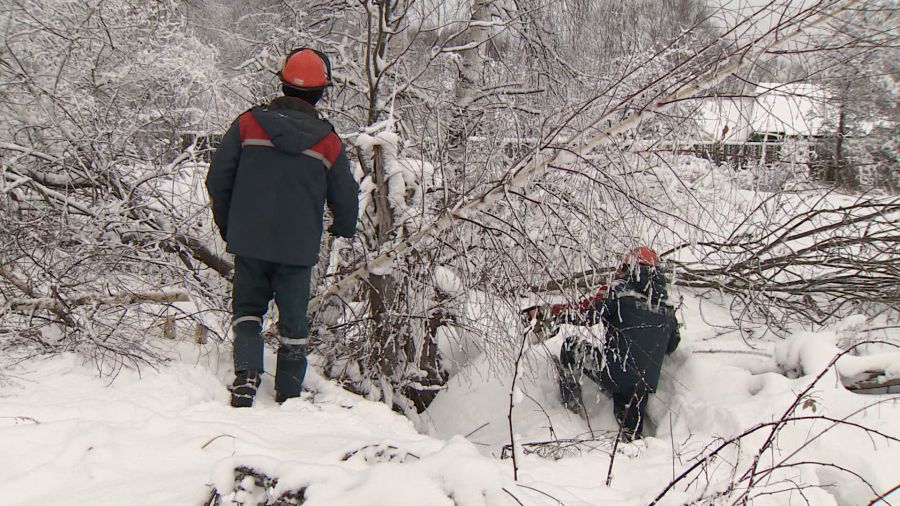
97 200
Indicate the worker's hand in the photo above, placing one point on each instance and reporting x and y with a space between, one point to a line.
542 324
534 313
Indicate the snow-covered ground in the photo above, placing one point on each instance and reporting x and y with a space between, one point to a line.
168 436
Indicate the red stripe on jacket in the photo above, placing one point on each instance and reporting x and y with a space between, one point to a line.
328 149
252 133
581 306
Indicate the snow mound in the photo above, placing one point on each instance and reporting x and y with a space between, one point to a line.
166 436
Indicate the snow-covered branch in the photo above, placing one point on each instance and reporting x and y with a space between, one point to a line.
576 146
95 299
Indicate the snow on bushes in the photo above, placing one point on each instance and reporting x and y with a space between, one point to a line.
808 353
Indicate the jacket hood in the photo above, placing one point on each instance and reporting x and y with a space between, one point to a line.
292 124
648 281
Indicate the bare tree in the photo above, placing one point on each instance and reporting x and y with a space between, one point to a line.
97 200
860 72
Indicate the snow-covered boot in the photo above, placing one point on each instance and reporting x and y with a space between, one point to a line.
290 371
570 392
630 409
244 388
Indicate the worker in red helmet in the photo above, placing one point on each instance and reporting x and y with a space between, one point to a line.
276 168
641 329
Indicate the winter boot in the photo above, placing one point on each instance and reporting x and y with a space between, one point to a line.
244 388
629 410
570 392
290 371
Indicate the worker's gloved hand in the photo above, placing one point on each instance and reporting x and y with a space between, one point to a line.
543 325
341 232
534 313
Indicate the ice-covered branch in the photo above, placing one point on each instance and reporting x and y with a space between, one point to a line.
96 299
576 146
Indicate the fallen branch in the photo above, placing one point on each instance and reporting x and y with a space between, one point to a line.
749 480
260 486
203 254
872 381
552 155
25 288
562 448
93 299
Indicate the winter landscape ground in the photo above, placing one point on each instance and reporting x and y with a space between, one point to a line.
167 435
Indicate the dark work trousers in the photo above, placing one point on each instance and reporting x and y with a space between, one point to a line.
256 282
579 358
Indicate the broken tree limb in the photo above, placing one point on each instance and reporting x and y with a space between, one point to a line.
575 147
25 288
193 246
871 380
204 255
54 304
804 355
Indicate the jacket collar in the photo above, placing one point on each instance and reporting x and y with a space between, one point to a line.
293 104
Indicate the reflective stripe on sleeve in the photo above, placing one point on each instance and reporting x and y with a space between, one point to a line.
257 142
318 156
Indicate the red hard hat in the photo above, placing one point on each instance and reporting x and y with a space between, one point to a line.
306 69
641 256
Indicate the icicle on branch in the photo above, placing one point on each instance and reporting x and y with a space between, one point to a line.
575 147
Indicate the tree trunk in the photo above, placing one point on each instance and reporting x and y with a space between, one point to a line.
837 168
382 288
404 358
471 69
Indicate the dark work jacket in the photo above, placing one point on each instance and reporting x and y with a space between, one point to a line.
641 329
270 178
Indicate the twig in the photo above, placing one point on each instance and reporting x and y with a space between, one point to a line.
215 438
485 424
539 491
28 418
881 497
513 496
512 392
54 304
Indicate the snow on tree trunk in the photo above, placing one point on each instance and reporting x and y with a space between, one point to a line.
471 67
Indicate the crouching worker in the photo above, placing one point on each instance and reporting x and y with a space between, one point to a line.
276 168
641 329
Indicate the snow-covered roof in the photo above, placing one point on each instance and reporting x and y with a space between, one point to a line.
725 119
793 109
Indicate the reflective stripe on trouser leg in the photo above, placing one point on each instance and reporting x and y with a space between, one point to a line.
248 343
252 291
243 319
300 341
291 284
